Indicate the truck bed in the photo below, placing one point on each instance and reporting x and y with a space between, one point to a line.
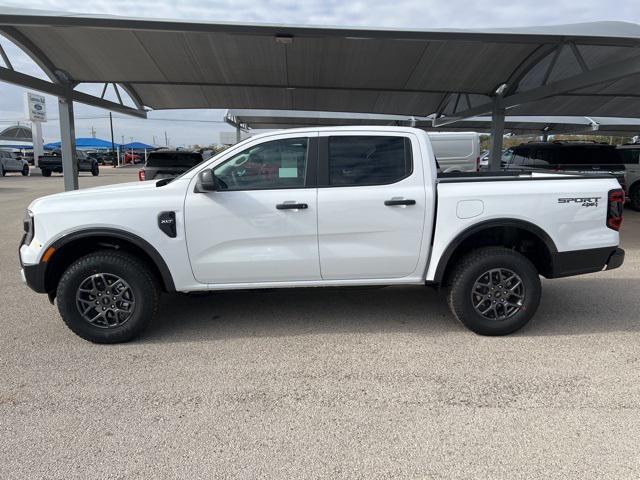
454 177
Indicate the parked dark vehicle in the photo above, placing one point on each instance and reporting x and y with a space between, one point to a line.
53 163
559 156
168 163
630 154
103 157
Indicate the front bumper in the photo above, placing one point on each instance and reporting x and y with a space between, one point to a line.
34 277
578 262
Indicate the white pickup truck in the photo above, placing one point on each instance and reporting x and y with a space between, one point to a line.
319 207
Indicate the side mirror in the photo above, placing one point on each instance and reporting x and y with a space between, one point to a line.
206 182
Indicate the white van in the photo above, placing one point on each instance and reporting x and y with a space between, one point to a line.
456 151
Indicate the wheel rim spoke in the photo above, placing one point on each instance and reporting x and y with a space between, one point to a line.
498 294
105 300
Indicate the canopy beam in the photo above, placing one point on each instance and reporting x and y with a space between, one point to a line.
596 76
65 91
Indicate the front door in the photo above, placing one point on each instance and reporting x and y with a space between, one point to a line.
371 206
261 224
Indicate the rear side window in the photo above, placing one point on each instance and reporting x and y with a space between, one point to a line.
585 155
630 155
520 157
446 149
368 160
173 159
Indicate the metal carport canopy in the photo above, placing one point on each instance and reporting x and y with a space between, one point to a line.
581 69
251 119
179 64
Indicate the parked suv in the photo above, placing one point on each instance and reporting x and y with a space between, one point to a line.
168 163
630 155
558 156
12 162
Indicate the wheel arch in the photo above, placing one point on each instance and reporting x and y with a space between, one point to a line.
74 245
507 232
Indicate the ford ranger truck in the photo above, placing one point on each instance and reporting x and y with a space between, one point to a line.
318 207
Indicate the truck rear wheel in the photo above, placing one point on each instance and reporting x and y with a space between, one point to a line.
494 291
108 297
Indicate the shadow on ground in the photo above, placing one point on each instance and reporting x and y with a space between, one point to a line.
568 307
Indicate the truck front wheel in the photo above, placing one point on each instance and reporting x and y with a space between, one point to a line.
45 172
494 291
108 297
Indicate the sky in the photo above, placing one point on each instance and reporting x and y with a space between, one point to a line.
188 127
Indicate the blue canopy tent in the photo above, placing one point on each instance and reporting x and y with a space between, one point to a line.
85 143
137 146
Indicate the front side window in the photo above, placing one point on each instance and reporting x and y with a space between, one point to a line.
270 165
368 160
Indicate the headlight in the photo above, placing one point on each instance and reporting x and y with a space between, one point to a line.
28 226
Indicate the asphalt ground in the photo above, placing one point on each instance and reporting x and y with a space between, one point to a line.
320 383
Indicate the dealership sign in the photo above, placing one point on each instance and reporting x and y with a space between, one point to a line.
35 106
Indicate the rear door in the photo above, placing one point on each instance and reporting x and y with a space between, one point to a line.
371 205
15 165
5 161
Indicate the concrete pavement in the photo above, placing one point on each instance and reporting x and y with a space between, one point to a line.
320 383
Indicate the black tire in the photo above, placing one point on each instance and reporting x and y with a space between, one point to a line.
45 172
634 196
25 171
95 170
142 283
2 171
470 269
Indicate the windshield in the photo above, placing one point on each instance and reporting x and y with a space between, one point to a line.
173 159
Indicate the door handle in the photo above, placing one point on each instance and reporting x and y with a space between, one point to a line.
396 201
292 206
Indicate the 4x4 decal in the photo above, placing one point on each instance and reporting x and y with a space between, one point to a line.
585 201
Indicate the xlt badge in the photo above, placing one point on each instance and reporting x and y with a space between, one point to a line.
167 223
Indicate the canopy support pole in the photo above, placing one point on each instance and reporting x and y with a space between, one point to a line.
497 132
238 134
68 144
36 137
